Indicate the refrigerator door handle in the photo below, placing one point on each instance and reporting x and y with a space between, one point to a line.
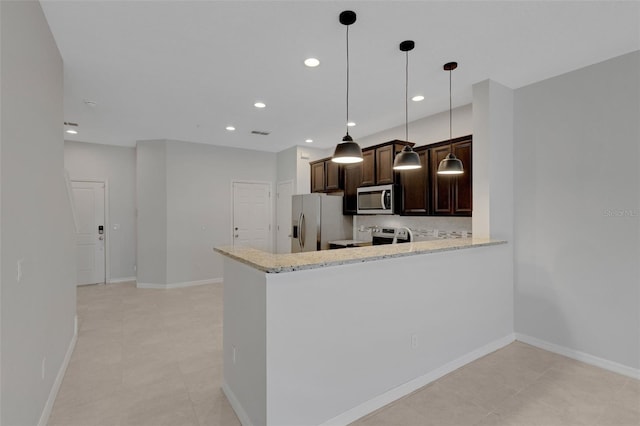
302 230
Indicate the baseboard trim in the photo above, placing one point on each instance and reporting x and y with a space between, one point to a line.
48 407
398 392
179 285
580 356
121 280
235 404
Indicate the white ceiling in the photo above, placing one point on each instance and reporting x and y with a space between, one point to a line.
186 69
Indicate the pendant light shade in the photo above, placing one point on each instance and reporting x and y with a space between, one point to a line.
451 165
408 159
348 151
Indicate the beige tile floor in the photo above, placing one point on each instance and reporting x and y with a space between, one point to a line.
153 357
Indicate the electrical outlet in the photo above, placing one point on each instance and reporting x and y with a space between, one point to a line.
414 341
44 362
234 355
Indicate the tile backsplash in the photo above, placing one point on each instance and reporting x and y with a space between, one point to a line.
421 224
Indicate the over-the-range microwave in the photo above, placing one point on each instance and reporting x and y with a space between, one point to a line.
381 199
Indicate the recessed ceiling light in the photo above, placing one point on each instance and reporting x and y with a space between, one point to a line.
351 124
259 105
230 128
71 131
417 98
308 140
311 62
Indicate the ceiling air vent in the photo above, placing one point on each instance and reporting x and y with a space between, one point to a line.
260 132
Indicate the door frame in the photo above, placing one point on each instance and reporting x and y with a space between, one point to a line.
271 227
107 224
293 192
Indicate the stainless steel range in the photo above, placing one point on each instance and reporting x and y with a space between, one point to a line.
387 235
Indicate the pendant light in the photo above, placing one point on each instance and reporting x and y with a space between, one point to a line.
408 159
450 165
348 151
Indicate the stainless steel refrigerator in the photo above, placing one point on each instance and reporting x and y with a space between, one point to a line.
317 219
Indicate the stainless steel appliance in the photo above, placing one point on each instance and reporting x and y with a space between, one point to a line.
386 235
381 199
317 219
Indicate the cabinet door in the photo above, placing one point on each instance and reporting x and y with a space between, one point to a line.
317 176
332 176
384 165
415 187
462 184
440 184
368 168
352 180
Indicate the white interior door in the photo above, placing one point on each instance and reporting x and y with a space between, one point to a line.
283 217
252 215
90 240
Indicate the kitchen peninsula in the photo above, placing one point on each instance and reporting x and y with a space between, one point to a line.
326 337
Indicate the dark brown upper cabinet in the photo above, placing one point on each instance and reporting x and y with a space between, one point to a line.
326 176
415 187
377 164
352 179
451 195
424 192
368 168
317 176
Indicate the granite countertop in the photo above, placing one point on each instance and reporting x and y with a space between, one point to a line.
276 263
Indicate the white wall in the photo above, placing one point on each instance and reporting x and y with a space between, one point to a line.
245 330
117 165
577 217
286 167
37 313
304 156
151 191
199 196
427 130
338 337
492 161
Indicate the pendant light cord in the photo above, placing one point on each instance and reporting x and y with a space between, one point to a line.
450 114
406 99
347 80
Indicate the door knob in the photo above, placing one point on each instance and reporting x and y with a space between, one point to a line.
236 228
236 235
101 237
